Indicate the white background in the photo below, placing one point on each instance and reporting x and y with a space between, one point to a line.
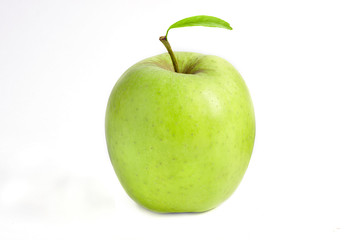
60 59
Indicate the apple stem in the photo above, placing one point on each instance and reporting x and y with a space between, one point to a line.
166 43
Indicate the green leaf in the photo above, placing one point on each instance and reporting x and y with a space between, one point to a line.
201 20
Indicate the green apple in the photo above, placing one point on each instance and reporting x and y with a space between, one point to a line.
180 141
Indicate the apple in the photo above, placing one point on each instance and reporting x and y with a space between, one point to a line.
180 141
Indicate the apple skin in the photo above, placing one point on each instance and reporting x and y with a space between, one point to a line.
180 142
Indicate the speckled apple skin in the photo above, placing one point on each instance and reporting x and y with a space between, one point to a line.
180 142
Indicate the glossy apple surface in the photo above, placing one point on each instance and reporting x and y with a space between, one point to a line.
180 142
